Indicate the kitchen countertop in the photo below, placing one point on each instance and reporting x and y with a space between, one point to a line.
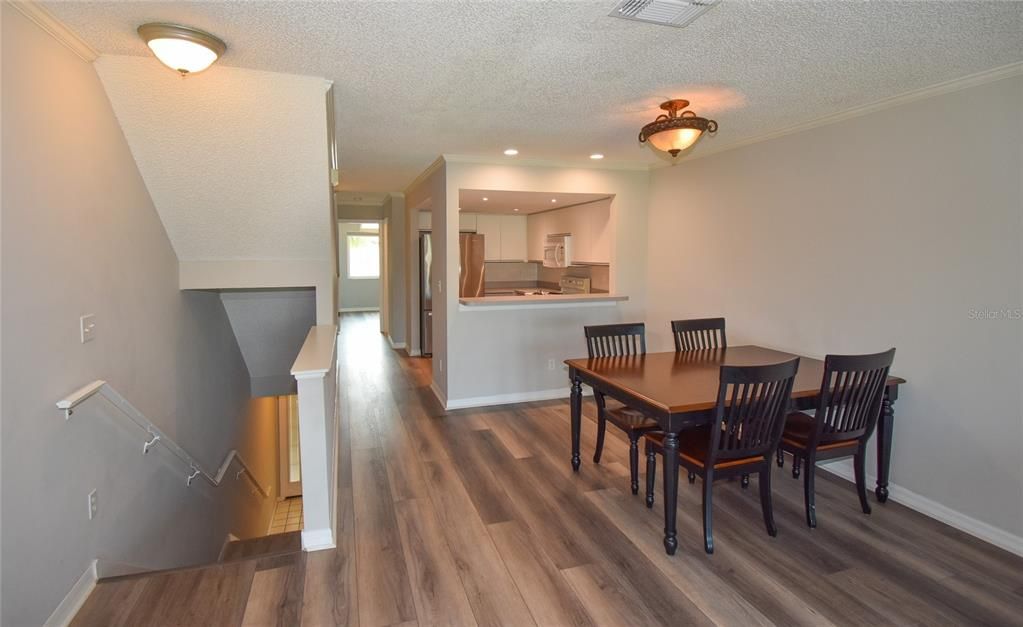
490 302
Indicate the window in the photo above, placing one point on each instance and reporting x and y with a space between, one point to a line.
363 256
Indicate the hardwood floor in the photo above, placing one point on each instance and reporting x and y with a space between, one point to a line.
475 517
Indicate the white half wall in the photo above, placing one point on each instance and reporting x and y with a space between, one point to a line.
899 228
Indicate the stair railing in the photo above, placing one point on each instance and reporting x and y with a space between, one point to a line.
155 436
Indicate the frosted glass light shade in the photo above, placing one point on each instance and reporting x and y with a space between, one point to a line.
675 140
183 49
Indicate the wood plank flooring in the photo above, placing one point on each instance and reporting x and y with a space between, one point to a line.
474 517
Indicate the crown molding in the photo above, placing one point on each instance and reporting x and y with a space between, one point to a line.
946 87
55 28
425 174
546 163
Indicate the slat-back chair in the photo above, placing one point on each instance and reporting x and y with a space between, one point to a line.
699 334
748 420
616 340
847 410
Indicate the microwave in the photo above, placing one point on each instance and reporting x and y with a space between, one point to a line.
557 251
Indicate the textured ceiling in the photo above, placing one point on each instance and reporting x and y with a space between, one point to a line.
234 159
560 80
502 201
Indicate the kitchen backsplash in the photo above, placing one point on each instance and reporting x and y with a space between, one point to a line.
534 274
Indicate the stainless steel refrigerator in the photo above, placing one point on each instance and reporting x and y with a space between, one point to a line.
471 277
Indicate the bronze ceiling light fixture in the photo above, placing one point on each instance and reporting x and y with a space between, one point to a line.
674 132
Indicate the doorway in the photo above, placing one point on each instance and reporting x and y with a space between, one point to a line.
289 449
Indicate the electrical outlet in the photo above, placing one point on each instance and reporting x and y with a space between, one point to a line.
93 504
87 327
440 286
551 364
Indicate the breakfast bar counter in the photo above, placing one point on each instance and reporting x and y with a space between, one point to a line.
538 300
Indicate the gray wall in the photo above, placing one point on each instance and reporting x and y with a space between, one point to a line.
270 326
80 235
889 229
394 209
354 293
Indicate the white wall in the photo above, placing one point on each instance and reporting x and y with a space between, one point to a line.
81 235
506 353
354 294
430 192
884 230
270 327
236 161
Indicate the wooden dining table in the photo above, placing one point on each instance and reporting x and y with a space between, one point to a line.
679 391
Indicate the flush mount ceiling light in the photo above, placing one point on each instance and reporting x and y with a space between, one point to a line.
676 131
596 155
511 152
181 48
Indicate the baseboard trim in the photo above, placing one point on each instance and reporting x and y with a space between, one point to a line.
439 395
395 345
932 509
516 397
74 600
413 352
317 539
356 309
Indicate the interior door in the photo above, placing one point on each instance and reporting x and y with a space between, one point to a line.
290 456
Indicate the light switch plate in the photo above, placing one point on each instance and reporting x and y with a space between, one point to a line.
93 504
87 327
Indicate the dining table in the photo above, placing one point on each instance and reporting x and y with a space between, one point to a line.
679 390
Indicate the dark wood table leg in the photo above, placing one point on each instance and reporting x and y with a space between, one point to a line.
577 413
884 445
670 484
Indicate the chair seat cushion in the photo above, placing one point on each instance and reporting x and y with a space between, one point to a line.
629 419
798 429
693 445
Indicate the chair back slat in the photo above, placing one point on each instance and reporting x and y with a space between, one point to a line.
614 340
850 398
699 334
750 411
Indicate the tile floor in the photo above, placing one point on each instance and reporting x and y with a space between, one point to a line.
287 516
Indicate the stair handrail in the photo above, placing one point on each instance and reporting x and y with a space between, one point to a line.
156 436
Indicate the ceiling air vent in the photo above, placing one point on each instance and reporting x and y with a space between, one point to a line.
677 13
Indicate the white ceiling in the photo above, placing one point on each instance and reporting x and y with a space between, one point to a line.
560 80
523 203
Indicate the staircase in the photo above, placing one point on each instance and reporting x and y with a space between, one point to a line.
257 582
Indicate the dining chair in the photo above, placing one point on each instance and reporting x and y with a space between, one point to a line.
699 334
847 410
748 420
613 340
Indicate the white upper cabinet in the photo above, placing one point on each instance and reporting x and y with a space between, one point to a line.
467 222
489 226
590 226
513 238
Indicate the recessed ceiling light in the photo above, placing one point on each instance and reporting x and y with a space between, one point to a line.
181 48
511 152
596 155
485 199
515 209
554 200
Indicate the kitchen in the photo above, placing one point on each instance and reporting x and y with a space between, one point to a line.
520 247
